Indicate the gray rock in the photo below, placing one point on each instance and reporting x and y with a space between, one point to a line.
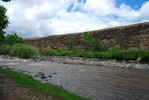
54 73
139 59
43 77
50 76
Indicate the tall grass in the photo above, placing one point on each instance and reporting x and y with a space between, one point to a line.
23 51
118 54
18 50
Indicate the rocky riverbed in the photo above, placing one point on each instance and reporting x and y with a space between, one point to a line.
93 78
92 61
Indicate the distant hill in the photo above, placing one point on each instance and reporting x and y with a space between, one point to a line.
133 36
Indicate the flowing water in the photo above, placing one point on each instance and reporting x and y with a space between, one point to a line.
96 82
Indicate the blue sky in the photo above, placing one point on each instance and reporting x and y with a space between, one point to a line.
135 4
31 18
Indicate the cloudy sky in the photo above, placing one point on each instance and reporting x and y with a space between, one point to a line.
36 18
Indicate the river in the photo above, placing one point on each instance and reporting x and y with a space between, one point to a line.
92 81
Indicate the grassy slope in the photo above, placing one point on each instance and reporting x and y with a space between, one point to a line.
49 89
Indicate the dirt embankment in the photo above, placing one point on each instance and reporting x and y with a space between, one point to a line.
12 91
133 36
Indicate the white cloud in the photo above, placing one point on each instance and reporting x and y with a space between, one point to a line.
75 22
31 18
127 12
45 11
100 7
145 10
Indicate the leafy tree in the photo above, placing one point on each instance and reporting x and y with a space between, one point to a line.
3 21
87 41
12 39
90 43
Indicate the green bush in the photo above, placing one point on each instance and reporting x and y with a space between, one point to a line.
5 49
12 39
116 47
70 45
103 55
145 56
91 44
23 51
89 55
115 53
14 49
130 54
85 54
87 41
45 51
100 47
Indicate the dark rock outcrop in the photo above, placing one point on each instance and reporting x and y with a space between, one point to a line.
133 36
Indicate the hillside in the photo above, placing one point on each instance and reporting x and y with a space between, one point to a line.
133 36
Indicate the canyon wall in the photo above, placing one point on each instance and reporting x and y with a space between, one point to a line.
132 36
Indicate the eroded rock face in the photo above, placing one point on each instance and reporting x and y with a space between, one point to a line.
134 36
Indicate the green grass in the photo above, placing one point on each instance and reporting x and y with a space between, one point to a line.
110 54
49 89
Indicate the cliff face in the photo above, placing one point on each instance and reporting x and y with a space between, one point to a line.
133 36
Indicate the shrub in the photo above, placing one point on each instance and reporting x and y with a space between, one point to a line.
23 51
103 55
89 55
145 56
87 41
70 45
45 51
116 47
130 54
14 49
90 43
12 39
5 49
100 47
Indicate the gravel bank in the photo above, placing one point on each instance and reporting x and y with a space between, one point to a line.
91 61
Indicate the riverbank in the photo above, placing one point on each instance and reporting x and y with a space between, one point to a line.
86 80
92 61
10 90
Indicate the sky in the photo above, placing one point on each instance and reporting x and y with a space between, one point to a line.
38 18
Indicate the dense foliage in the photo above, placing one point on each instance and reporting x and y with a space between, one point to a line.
12 39
110 54
18 50
3 22
92 48
70 45
23 51
5 49
91 44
